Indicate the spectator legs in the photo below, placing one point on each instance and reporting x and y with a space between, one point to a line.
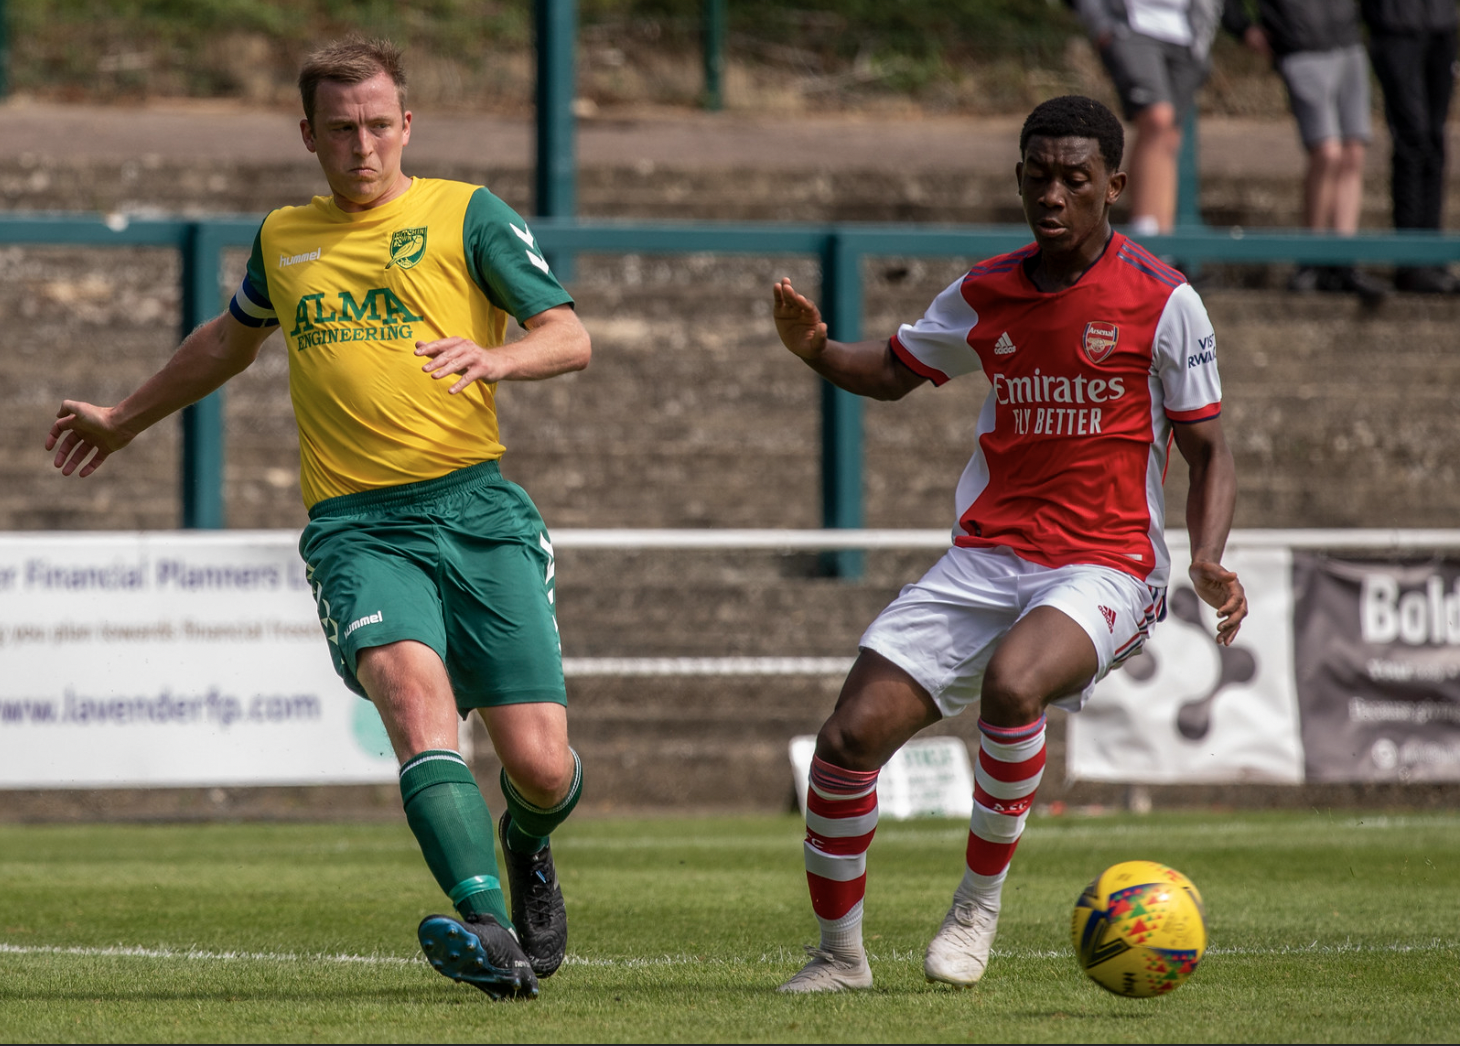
1416 73
1348 192
1153 169
1333 189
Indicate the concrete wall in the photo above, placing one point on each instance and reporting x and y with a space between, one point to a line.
692 415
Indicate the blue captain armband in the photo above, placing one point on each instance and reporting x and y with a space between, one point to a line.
252 308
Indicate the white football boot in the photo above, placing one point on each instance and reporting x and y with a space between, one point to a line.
829 972
959 951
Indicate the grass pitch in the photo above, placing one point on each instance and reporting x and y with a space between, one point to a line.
1324 927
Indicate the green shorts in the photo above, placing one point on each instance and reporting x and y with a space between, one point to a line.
461 563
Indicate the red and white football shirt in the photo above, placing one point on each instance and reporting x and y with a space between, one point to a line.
1074 437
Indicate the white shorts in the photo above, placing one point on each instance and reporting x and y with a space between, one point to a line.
943 629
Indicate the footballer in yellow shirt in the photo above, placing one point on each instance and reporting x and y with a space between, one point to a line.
355 291
434 575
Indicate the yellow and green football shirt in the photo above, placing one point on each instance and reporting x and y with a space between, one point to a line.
354 292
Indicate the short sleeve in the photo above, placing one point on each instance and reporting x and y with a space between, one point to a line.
504 260
937 347
251 305
1185 358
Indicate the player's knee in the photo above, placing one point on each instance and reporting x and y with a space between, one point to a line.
841 745
1010 699
543 778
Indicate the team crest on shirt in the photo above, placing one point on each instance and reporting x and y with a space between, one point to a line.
407 246
1099 341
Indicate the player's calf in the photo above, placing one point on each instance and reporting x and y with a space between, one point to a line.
1010 767
841 818
538 911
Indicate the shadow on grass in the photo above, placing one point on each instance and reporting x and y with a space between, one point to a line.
1085 1015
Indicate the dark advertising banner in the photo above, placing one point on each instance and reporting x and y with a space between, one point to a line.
1376 656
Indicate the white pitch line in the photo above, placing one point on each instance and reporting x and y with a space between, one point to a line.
130 952
780 956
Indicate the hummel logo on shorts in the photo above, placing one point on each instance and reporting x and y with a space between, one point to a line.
1004 345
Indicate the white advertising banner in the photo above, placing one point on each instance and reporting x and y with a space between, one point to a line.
927 777
172 659
1188 711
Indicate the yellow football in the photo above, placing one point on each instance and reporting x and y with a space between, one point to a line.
1139 929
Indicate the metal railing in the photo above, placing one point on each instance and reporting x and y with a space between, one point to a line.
840 249
200 244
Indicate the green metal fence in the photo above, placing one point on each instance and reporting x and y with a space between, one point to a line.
201 244
555 175
840 249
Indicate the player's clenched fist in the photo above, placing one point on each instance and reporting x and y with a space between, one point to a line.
798 321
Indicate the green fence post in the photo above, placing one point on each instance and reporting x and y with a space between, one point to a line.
713 37
1188 174
841 411
557 31
202 423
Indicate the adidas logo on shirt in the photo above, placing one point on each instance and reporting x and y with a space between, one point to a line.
1004 345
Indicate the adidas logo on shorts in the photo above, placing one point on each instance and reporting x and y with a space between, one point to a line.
1109 617
1004 345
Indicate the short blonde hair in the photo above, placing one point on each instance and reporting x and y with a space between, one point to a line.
350 61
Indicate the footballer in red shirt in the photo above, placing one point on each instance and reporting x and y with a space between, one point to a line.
1100 357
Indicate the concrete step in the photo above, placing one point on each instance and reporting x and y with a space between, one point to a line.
692 414
151 185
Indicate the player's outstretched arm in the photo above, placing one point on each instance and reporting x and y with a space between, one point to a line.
866 368
556 343
1209 506
85 435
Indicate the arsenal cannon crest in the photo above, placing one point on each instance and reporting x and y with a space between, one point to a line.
1099 341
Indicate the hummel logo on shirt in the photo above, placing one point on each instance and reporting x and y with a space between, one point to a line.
1004 345
285 260
534 254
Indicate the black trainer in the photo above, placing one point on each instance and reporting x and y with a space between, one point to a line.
537 904
1349 280
483 953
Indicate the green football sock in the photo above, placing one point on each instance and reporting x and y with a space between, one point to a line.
449 817
528 831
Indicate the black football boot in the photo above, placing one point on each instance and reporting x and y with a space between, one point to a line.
537 904
482 953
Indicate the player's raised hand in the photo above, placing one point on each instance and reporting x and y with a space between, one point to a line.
798 321
457 356
1219 587
84 431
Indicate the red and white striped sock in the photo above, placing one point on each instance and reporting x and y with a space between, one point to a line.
1010 765
841 818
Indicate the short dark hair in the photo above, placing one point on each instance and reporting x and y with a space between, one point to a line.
350 61
1075 116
